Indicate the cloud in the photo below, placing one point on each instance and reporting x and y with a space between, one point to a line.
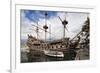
75 22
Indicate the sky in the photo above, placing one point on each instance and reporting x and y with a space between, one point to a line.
29 18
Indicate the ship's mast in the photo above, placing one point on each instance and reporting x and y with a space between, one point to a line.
37 30
45 26
64 23
50 31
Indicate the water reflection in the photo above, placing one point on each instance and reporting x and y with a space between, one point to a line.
41 57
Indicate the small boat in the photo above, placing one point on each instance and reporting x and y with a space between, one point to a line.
54 53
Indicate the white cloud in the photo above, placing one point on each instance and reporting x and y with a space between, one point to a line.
75 22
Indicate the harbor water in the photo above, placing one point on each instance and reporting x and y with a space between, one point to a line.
27 57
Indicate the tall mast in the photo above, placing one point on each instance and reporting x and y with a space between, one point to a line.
45 26
37 30
50 31
64 23
64 32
